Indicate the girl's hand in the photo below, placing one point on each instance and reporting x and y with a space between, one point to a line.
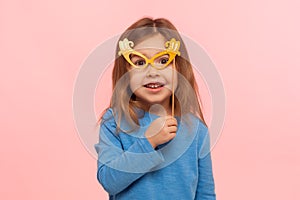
161 130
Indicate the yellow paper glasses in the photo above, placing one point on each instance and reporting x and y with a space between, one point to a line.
158 61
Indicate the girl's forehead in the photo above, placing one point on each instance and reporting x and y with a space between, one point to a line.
154 42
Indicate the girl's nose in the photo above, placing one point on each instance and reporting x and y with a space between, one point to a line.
151 71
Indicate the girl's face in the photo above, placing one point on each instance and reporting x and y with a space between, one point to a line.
151 85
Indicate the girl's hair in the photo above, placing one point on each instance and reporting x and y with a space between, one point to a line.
123 100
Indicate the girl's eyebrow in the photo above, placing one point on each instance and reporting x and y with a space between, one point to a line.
134 56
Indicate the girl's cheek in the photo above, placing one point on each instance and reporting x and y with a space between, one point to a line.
138 74
167 72
135 81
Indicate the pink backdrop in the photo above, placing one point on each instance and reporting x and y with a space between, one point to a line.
254 44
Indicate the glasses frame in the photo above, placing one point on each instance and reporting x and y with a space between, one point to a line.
126 50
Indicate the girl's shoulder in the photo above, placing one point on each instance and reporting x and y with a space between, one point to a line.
201 134
108 114
196 122
108 118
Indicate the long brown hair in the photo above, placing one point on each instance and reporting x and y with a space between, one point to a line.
123 100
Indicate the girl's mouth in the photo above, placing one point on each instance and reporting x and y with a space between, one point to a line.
154 87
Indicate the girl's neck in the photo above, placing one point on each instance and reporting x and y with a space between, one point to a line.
158 109
162 108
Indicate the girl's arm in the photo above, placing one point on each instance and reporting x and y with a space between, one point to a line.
117 169
206 186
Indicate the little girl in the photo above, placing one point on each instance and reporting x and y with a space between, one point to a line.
154 142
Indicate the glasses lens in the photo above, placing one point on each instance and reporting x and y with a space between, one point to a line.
162 61
137 60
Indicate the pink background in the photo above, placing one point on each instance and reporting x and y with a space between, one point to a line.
254 44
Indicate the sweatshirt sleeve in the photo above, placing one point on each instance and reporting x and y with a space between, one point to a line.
206 186
117 168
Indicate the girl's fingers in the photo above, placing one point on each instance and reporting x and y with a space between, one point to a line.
172 135
172 129
171 121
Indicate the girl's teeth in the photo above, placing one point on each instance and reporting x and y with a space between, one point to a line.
154 86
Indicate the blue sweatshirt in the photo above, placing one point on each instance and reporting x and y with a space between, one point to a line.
130 169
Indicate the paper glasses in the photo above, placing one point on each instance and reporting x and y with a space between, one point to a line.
158 61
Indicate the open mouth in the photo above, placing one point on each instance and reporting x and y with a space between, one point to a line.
154 85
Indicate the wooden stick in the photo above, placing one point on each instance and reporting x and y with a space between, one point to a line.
173 97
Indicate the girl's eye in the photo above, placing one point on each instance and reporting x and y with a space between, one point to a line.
163 60
140 62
